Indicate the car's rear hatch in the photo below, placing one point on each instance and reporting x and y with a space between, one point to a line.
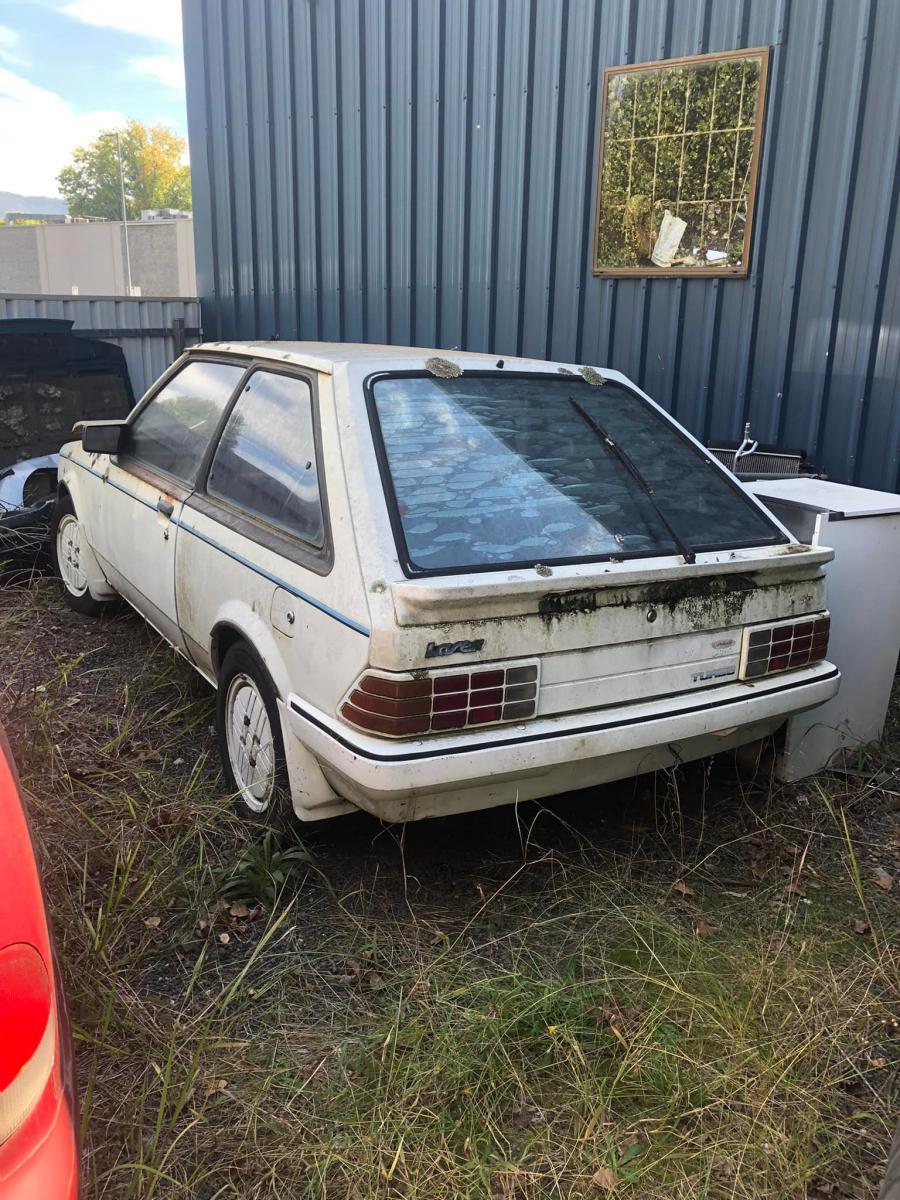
568 519
606 637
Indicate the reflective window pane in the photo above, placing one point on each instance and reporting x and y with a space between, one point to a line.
175 429
511 470
265 462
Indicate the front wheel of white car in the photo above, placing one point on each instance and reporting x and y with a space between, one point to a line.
249 733
69 550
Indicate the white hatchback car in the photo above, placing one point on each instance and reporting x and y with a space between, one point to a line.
426 581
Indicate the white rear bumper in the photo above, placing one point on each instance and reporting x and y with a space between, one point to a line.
435 776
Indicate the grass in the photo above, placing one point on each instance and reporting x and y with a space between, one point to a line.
655 991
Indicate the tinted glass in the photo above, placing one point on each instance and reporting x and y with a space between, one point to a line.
175 429
506 469
266 460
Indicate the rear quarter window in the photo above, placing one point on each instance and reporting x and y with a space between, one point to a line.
265 462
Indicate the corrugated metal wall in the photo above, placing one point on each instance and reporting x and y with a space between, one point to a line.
422 171
143 325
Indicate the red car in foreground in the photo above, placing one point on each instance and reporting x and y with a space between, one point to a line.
38 1138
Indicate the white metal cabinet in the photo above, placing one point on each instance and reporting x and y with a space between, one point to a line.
863 590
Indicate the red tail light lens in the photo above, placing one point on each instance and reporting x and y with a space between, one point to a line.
27 1034
401 706
782 647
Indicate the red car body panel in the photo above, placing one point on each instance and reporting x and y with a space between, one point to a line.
39 1160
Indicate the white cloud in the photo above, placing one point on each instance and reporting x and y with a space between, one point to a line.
156 19
167 69
10 51
38 132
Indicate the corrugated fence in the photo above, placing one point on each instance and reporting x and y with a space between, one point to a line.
423 171
150 331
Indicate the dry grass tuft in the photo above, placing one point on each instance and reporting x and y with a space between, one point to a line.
683 988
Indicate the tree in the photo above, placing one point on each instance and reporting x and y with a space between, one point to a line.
155 176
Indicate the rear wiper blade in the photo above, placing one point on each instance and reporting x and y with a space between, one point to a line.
618 453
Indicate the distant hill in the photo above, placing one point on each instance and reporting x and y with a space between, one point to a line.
13 202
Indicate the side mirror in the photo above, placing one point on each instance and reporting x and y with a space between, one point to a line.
103 437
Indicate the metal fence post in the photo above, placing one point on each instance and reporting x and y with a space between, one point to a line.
178 336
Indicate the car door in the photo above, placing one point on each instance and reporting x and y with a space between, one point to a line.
255 537
165 444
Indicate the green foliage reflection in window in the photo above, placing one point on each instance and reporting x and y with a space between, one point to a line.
678 164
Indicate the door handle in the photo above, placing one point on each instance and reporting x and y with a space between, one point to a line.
166 507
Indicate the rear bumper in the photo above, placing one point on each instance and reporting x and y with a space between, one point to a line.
429 777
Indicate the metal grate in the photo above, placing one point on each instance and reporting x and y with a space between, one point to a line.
761 464
749 460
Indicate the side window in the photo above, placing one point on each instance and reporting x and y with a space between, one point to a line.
265 462
175 429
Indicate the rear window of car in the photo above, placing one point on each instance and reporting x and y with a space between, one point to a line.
485 471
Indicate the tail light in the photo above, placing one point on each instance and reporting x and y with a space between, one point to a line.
782 647
27 1034
404 706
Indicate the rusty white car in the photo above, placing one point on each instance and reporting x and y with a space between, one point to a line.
424 581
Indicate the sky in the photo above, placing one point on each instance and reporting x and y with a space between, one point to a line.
71 68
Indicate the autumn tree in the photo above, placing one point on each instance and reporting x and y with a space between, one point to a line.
152 165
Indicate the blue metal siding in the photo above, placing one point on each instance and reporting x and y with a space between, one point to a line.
424 171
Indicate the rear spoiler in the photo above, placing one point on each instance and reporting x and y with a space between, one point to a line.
521 593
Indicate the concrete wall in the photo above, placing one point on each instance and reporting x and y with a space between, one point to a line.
52 259
162 257
86 256
20 266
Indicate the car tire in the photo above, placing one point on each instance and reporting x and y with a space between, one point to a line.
66 539
251 747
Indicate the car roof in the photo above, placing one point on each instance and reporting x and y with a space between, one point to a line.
325 356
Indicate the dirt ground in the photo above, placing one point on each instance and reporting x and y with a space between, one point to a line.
682 986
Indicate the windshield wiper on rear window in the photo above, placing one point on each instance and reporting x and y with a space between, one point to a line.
618 453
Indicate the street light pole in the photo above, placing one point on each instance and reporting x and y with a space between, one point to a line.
124 216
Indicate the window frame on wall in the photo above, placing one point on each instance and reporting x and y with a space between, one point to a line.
681 271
